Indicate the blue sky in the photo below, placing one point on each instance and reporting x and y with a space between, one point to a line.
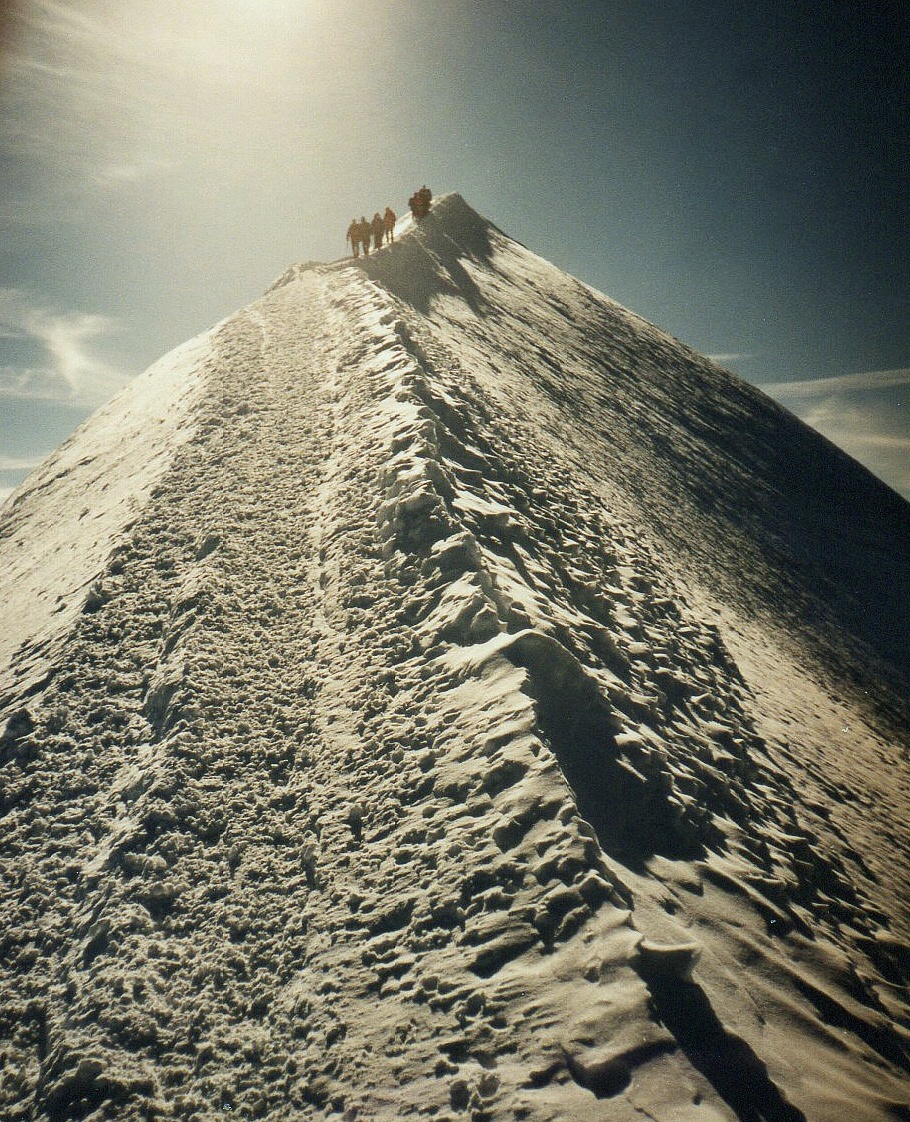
734 172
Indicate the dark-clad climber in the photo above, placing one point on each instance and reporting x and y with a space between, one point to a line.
365 231
378 229
419 202
353 236
388 222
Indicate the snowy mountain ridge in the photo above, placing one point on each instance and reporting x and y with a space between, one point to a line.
468 716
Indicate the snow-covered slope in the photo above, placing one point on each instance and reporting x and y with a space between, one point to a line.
494 710
58 529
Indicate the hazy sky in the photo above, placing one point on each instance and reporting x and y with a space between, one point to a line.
736 172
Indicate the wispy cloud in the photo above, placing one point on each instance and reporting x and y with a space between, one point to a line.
86 91
19 463
71 371
134 170
862 382
118 94
870 435
729 357
863 413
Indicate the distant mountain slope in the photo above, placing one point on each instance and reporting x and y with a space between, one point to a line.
466 717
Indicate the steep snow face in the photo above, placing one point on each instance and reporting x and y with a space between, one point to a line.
408 765
751 498
59 528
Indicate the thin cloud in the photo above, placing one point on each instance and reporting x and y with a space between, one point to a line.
863 382
84 90
174 120
72 371
854 413
725 359
29 383
861 414
118 93
133 171
19 463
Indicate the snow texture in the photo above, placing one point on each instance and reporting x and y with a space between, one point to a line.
436 692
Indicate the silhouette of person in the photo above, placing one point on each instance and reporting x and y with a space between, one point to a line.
419 202
353 236
365 232
388 222
378 229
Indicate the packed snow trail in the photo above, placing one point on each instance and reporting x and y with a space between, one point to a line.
395 769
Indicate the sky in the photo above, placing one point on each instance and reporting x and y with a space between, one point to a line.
735 172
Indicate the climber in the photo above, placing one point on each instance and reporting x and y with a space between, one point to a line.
419 202
365 231
378 229
389 224
353 236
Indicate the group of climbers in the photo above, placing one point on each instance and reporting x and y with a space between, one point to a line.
365 233
419 202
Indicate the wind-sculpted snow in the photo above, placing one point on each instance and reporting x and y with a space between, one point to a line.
410 763
61 524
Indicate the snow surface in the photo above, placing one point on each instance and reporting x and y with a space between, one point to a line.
474 705
59 527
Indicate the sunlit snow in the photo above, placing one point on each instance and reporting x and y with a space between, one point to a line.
436 692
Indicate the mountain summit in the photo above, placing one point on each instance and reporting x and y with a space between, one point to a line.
437 692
